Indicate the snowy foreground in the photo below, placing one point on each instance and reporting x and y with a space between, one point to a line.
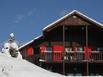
12 67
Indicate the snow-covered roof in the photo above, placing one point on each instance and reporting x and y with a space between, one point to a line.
77 12
30 42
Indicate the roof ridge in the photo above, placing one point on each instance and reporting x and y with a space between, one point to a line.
74 11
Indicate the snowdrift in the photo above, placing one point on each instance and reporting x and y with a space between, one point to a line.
12 67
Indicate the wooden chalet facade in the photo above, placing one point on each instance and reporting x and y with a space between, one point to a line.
72 45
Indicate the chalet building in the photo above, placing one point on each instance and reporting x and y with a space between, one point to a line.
71 45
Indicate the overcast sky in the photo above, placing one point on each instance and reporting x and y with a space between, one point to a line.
27 18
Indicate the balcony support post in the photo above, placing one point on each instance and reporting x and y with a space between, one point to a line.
87 56
64 49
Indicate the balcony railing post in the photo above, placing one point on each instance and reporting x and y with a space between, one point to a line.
101 56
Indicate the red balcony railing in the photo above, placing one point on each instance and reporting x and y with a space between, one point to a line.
71 56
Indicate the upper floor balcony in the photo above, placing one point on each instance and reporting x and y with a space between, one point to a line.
72 56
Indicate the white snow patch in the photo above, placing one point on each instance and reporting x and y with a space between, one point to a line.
13 67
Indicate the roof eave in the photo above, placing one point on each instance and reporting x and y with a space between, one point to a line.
74 11
29 42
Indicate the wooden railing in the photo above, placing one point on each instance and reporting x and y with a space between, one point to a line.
71 56
96 56
74 56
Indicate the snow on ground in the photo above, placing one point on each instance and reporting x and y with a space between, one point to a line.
12 67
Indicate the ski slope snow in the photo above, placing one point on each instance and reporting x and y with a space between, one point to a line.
13 67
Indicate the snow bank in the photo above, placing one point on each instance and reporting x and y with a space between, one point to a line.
12 67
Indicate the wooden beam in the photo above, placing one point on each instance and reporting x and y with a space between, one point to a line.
87 69
64 50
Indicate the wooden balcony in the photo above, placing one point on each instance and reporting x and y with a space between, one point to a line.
71 56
